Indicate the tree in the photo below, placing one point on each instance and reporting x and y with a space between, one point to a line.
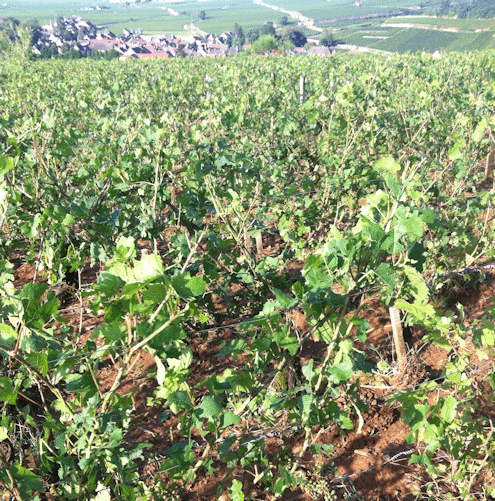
287 46
295 37
202 15
444 8
9 26
180 52
46 52
326 39
5 43
111 54
239 35
267 29
33 26
68 35
264 44
284 21
73 54
60 23
252 35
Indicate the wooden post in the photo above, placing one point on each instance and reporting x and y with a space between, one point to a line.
259 244
400 346
247 240
301 88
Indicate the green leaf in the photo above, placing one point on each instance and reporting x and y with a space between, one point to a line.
308 371
291 344
455 153
8 336
111 332
148 268
305 402
298 290
484 336
414 416
233 347
283 301
419 288
341 372
393 186
154 294
130 289
387 164
68 220
187 287
384 271
345 421
480 131
210 408
6 165
7 392
27 481
179 400
80 382
30 231
449 409
108 284
78 211
235 491
172 333
418 310
103 493
418 254
125 249
43 363
4 433
229 419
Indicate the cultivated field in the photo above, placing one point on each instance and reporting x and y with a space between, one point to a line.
204 276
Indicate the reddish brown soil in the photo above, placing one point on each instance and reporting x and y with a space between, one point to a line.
362 458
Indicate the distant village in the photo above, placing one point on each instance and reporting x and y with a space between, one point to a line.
80 38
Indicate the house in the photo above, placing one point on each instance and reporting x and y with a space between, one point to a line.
100 46
216 53
221 46
319 51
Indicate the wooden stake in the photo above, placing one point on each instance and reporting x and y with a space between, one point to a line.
247 240
301 88
259 244
400 346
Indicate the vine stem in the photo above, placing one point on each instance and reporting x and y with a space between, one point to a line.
14 488
125 363
31 369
